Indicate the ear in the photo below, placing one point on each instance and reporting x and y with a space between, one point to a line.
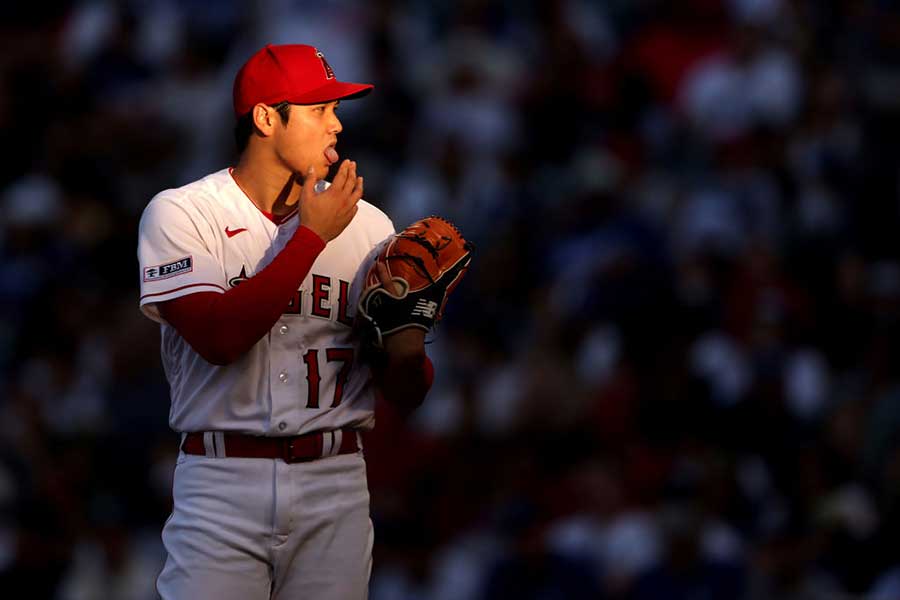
264 119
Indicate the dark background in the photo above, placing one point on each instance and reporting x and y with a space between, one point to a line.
671 373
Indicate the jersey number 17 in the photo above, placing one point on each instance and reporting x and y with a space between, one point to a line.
339 355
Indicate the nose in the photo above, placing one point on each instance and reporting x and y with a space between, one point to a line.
335 126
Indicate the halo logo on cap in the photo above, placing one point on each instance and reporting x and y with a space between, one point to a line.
329 72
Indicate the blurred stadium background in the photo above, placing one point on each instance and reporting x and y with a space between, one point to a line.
672 373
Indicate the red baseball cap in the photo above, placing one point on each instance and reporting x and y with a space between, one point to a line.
295 73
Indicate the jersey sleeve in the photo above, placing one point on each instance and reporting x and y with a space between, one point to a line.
176 254
384 230
380 229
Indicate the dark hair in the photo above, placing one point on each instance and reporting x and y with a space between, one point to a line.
244 126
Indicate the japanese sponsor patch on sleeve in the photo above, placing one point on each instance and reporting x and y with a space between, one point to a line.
178 267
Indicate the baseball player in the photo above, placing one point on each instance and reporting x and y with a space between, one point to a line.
253 273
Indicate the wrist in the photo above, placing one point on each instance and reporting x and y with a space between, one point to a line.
405 344
308 233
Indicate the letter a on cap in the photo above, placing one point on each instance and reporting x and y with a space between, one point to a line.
329 73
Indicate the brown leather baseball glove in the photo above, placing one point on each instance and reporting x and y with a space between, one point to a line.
427 260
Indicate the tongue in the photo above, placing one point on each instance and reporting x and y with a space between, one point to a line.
331 154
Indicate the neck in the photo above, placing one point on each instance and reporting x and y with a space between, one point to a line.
272 188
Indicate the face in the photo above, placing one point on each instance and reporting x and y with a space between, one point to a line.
309 138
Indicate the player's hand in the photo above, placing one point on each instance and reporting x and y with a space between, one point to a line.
328 213
390 285
406 342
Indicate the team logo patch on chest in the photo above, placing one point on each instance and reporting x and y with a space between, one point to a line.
178 267
240 278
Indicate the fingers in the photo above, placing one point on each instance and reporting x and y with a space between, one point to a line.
385 278
357 192
351 177
383 274
347 188
352 191
345 180
340 179
328 213
309 182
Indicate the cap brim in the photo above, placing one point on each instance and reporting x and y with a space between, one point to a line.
333 90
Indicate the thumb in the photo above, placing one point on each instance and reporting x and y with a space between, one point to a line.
309 182
386 281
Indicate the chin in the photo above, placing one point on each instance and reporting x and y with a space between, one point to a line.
322 172
319 172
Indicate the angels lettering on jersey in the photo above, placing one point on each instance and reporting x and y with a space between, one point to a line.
316 303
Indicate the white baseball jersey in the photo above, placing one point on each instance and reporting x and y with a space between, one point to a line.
305 374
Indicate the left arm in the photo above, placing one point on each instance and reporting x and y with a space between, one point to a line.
406 373
403 372
431 255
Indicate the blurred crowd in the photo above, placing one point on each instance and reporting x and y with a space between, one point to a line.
673 371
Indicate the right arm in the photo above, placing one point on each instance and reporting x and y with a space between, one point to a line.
222 327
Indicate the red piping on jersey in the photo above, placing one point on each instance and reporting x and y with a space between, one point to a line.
278 220
184 287
223 327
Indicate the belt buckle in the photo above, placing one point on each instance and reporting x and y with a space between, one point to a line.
288 454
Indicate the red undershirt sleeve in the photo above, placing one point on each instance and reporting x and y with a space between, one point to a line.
222 327
405 383
428 367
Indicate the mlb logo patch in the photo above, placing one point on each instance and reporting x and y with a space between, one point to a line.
178 267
